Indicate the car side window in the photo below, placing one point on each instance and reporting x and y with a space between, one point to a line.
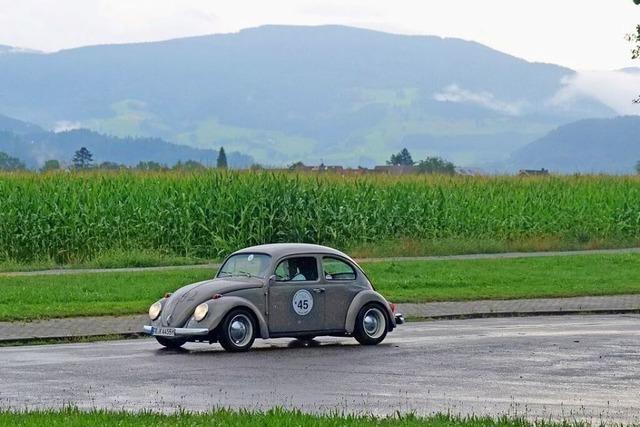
297 269
336 269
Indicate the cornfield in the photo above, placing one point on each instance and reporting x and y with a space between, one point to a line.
77 216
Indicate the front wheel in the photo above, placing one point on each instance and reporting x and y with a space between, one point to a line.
171 342
237 331
371 325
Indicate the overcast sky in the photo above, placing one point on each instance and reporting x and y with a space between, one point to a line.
582 34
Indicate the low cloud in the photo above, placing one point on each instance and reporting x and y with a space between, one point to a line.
454 93
615 89
65 125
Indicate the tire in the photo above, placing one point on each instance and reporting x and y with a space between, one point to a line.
371 325
237 331
173 343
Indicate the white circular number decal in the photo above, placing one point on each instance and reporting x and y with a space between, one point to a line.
302 302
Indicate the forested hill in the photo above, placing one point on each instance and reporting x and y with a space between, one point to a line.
34 146
586 146
286 93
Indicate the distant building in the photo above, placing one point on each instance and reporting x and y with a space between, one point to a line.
533 172
324 168
301 167
470 172
334 168
395 169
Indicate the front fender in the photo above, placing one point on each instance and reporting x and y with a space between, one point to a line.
362 298
218 308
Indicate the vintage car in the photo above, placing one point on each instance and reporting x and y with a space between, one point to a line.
273 291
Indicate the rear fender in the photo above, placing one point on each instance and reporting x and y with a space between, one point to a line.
361 299
218 308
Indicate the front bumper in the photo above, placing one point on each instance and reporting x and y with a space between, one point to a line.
179 332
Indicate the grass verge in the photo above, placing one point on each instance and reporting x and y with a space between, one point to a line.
224 418
541 277
49 296
414 247
111 259
404 247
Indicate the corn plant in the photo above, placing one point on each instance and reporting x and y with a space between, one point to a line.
78 216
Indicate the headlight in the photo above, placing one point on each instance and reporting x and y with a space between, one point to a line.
154 311
201 311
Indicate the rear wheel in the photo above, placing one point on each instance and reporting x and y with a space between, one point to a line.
371 325
171 342
237 331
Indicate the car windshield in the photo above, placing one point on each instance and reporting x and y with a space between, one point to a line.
246 265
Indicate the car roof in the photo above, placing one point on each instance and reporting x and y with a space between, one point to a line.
279 250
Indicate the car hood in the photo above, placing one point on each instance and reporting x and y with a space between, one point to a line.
179 307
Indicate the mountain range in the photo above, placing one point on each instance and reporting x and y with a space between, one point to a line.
286 93
33 145
586 146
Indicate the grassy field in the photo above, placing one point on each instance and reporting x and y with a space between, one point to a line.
112 259
224 418
404 247
46 296
63 218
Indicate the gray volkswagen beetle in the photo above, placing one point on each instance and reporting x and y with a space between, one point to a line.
273 291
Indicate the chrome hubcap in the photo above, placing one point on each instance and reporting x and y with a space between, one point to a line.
240 330
373 323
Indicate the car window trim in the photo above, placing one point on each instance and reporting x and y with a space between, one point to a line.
288 282
242 253
339 258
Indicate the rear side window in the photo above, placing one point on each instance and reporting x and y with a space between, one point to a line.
297 269
336 269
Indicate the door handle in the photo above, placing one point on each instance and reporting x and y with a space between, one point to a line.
318 290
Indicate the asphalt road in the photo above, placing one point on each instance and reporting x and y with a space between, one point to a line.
549 367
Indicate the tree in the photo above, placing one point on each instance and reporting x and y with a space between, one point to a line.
436 165
638 164
8 163
635 39
82 159
50 165
403 158
189 165
222 159
635 52
151 166
111 166
297 165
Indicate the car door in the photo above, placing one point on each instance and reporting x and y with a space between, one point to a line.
341 286
296 297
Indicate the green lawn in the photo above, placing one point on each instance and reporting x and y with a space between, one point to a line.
224 418
110 259
46 296
399 247
563 276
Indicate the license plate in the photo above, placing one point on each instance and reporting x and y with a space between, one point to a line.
164 332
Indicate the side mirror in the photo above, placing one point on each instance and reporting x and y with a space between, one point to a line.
272 280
